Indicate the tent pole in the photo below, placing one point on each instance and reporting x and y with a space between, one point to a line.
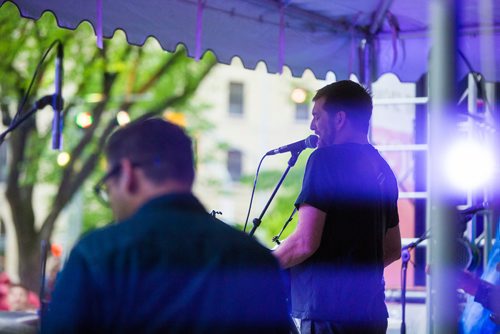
366 63
379 16
366 69
442 302
367 58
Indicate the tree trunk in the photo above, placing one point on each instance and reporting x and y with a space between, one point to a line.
27 238
19 195
30 264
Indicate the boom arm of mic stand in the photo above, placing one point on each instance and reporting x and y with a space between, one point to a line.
256 222
40 104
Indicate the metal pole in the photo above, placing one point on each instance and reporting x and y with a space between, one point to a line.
472 98
442 300
488 65
492 194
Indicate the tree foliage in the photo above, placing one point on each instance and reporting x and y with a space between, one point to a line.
144 81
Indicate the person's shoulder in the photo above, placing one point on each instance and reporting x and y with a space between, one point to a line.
239 240
335 149
235 234
96 243
99 234
330 153
380 158
323 153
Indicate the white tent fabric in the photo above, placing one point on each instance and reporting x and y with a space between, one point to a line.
320 35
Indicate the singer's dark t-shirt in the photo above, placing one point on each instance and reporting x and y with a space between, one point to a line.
343 280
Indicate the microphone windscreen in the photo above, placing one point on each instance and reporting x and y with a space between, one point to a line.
312 141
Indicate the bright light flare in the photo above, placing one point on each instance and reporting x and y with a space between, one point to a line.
123 118
84 119
63 158
94 98
298 95
469 165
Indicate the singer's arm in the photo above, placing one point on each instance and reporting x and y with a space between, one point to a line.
305 240
392 245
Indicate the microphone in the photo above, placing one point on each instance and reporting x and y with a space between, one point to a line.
309 142
57 101
472 210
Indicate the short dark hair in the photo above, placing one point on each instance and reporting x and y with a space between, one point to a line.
351 97
160 148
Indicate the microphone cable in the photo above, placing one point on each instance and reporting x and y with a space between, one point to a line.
14 123
253 192
35 75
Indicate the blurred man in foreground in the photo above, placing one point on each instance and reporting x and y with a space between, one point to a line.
167 266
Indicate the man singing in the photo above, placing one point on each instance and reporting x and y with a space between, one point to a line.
347 230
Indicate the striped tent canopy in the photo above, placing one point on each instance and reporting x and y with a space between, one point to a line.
365 37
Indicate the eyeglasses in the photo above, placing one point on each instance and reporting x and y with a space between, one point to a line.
100 188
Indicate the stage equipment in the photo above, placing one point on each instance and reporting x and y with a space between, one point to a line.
467 254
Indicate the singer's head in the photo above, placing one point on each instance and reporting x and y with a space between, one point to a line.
341 113
146 159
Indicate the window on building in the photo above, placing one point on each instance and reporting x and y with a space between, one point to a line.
234 164
301 111
236 98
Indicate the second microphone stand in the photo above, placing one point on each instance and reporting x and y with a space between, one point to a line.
405 258
257 221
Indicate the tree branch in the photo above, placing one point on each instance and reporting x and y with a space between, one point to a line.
77 181
179 99
97 112
73 179
171 61
132 77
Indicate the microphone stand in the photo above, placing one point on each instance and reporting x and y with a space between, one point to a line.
43 301
276 238
463 217
257 221
405 258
